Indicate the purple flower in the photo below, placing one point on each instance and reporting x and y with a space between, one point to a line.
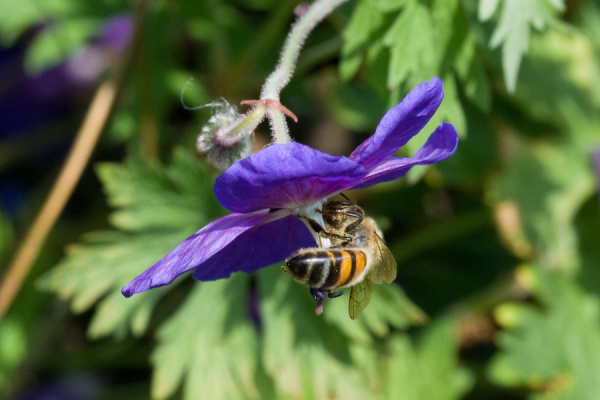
269 191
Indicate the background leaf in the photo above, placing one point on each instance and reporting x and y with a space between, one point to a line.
210 344
427 370
512 33
553 351
94 272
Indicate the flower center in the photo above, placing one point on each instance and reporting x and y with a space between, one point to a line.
312 214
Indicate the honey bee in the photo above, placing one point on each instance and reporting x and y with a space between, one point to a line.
357 258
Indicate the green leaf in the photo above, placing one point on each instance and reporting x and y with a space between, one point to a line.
356 107
366 19
149 195
307 356
312 357
209 344
389 307
13 350
487 8
389 5
516 20
58 41
554 349
470 71
410 40
22 15
428 369
95 271
17 16
100 267
542 187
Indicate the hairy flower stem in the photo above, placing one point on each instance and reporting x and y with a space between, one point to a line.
282 74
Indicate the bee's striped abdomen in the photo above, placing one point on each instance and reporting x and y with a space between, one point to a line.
327 269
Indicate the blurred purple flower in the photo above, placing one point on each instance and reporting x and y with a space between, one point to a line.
39 114
268 191
28 102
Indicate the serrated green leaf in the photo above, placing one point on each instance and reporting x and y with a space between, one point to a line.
450 30
553 350
95 271
389 307
487 8
366 18
475 84
427 370
547 184
309 356
516 20
150 196
209 345
410 39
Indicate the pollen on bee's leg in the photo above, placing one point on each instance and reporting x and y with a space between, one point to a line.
320 304
335 294
319 296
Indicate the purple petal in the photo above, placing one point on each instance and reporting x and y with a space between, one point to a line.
440 145
259 247
117 32
200 247
288 175
400 123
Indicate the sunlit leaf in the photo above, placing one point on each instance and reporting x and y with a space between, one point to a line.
410 40
56 42
475 83
309 356
538 195
95 271
209 345
517 19
366 18
428 369
553 350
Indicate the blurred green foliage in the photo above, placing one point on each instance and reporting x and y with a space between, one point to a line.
497 245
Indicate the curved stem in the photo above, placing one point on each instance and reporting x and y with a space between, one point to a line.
282 74
293 44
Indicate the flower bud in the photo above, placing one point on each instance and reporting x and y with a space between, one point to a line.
225 138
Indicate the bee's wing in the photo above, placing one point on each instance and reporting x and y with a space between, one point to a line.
360 295
385 267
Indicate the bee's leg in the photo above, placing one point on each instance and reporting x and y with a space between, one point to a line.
330 235
333 295
326 234
359 218
317 294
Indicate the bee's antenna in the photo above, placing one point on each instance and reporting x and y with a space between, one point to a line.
346 197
